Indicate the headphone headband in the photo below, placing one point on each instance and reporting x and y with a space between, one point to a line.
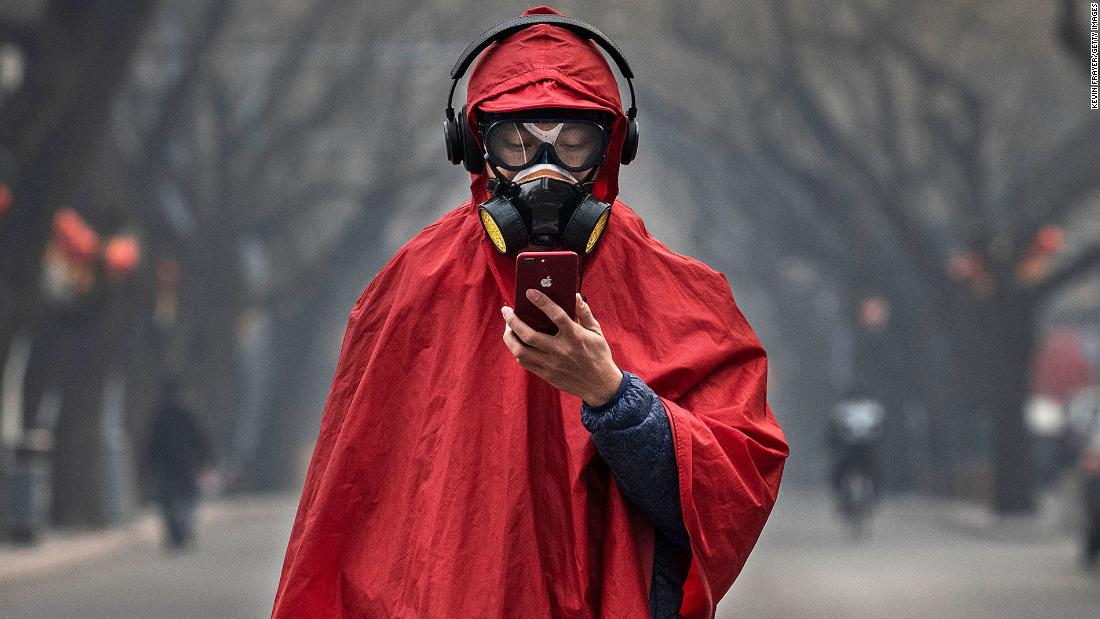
515 24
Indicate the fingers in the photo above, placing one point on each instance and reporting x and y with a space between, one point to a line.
551 309
514 344
584 315
524 331
529 357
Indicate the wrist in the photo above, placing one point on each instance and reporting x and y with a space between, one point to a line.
609 387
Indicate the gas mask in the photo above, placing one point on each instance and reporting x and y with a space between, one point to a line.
544 203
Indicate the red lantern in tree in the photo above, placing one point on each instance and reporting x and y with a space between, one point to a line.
964 266
1049 240
5 199
122 255
874 311
77 240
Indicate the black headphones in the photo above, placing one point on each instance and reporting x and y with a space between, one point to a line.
462 146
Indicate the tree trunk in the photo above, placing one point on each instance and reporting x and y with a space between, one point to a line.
1002 343
1014 473
78 489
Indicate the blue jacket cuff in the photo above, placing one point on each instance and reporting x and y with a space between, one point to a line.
623 384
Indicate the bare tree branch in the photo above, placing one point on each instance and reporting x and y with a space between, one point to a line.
1079 266
1044 192
853 160
254 128
1072 34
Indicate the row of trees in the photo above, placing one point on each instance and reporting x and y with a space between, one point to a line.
905 168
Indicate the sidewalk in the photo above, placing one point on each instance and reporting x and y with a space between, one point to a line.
924 557
1058 515
61 549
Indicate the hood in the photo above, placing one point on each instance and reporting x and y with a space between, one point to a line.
547 66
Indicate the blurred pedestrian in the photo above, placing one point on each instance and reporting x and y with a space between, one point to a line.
1090 470
178 451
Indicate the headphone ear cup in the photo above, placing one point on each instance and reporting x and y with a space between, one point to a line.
630 143
452 141
472 158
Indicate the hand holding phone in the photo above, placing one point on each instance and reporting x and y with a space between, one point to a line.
556 274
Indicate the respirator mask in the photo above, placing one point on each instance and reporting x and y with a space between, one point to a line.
544 203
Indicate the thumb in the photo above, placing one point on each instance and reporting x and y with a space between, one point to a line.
584 315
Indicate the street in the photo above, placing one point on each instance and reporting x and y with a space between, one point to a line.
922 559
919 562
231 574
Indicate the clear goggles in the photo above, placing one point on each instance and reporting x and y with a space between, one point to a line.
516 143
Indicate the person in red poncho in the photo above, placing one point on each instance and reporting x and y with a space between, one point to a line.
468 466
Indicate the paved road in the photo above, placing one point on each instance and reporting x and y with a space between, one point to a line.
921 560
232 574
917 563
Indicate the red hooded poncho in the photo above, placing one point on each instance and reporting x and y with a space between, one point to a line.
447 481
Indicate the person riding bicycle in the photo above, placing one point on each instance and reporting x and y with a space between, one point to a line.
855 428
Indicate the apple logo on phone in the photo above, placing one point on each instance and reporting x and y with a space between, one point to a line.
545 282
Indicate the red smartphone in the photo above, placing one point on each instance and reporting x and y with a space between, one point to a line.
557 275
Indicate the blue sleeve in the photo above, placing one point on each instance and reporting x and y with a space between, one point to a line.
632 433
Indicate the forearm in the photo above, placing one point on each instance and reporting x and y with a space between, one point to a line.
633 435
